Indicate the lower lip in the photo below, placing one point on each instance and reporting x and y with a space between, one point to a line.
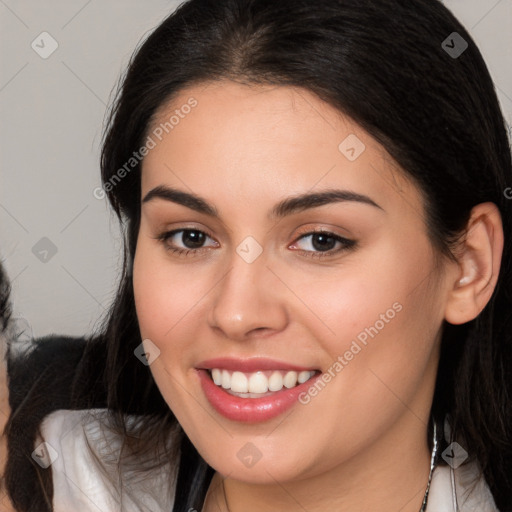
251 410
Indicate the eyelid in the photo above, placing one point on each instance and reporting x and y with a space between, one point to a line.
324 229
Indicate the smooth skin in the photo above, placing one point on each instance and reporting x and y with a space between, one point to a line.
361 442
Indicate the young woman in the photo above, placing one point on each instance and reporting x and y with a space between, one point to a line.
315 307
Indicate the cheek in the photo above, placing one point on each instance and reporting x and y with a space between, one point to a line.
163 300
163 293
374 290
379 324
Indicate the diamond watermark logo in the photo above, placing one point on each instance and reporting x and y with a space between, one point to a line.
44 45
352 147
249 249
147 352
454 455
44 250
45 455
454 45
249 455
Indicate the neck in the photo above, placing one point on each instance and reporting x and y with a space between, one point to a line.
389 475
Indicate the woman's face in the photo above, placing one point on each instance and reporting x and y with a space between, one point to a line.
258 299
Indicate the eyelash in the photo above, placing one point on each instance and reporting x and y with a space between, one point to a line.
346 243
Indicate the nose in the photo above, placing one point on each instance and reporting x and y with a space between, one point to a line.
248 302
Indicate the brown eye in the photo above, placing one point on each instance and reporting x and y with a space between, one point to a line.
192 240
323 243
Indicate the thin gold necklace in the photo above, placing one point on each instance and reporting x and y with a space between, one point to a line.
425 498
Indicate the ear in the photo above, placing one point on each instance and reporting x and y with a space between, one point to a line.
479 261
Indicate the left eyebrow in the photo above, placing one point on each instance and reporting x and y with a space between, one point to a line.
313 200
285 207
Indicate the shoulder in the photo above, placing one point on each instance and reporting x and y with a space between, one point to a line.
91 471
42 373
43 365
459 490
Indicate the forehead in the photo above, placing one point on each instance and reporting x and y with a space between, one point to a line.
273 139
261 112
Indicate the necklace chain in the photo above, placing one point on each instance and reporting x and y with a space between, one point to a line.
432 466
425 498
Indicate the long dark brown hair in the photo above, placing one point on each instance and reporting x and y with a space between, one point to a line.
383 64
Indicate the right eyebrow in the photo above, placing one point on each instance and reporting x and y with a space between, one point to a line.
186 199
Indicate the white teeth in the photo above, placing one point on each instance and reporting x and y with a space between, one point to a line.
259 382
303 377
239 383
275 383
290 379
226 379
217 376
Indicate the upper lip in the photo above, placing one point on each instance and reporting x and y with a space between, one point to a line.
249 365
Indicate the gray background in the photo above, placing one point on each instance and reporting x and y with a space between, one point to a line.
52 112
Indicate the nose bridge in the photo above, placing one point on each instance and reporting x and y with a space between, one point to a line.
245 299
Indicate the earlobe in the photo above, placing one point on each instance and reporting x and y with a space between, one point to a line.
479 260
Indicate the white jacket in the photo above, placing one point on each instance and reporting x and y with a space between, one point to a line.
79 479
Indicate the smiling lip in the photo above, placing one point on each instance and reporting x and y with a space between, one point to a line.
250 410
249 365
